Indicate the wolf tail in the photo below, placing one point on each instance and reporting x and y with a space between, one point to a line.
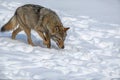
12 23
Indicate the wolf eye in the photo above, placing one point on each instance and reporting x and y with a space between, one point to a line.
58 38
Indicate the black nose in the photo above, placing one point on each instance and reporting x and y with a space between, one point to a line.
62 47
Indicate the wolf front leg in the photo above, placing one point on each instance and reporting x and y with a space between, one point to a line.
47 42
28 33
45 37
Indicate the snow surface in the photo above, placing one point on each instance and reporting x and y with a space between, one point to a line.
92 48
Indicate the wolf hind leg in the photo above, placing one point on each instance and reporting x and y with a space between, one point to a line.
15 32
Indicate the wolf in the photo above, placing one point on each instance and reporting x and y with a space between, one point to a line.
43 20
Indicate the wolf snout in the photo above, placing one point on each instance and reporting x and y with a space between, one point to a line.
62 47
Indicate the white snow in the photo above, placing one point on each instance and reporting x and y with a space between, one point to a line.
92 47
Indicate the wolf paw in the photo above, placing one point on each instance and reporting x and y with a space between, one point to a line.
47 43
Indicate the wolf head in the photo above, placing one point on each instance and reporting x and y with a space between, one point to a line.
59 36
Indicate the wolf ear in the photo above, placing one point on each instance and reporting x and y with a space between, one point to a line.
65 29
